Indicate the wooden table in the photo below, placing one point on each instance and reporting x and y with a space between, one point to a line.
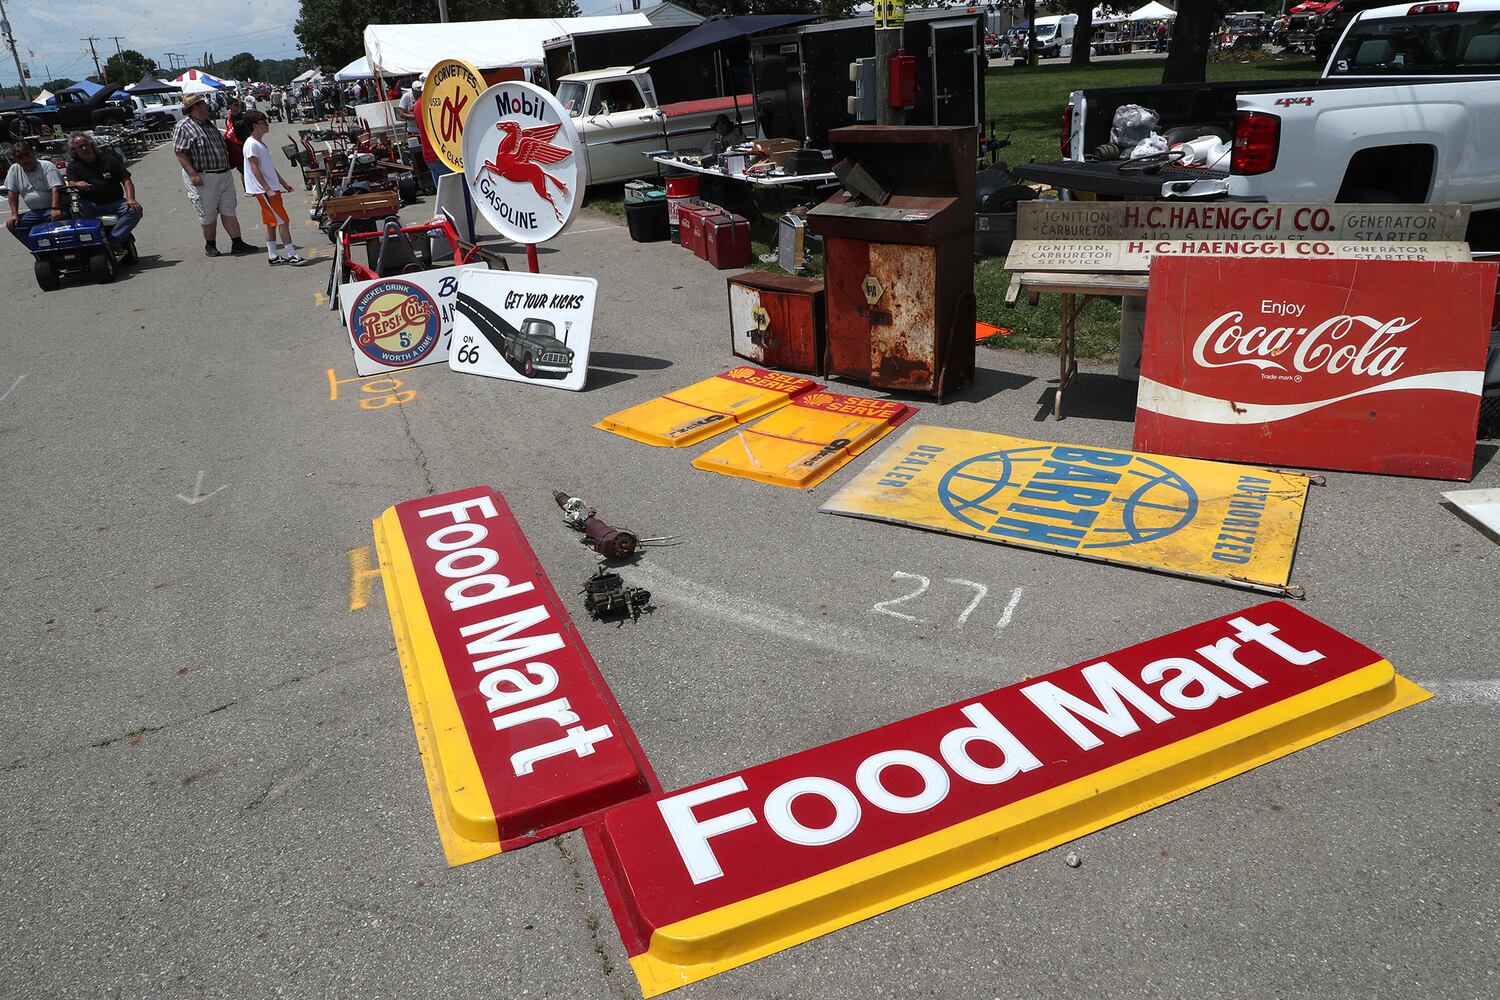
1074 290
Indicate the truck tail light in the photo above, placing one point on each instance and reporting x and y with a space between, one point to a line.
1434 8
1257 136
1067 131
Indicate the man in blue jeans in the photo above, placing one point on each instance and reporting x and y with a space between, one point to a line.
104 187
36 184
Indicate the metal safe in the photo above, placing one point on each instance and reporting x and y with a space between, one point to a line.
898 245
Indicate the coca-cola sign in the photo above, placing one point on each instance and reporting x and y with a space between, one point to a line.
1369 366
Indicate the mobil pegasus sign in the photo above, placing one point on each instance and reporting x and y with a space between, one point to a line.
1369 366
523 162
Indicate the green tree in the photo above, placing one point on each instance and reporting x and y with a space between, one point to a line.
1083 31
241 66
332 31
279 72
127 67
1187 58
61 82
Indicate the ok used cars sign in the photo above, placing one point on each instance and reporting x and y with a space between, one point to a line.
733 869
520 736
1370 366
524 162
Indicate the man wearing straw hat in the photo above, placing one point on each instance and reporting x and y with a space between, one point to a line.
205 173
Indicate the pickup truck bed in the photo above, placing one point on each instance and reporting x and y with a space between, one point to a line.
1108 179
1407 110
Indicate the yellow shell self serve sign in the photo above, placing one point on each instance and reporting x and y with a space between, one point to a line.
1210 520
449 94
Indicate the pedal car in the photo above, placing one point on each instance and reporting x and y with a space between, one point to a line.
74 246
392 249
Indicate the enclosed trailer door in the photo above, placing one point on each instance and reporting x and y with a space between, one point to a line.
955 78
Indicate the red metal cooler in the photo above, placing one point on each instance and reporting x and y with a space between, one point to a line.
681 191
726 240
694 222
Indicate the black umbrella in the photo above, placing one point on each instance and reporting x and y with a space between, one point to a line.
151 85
726 28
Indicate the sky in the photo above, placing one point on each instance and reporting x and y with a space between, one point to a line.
53 31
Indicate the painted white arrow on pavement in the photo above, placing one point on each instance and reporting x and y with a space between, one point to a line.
198 495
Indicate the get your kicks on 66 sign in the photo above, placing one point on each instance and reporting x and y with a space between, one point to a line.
523 162
524 327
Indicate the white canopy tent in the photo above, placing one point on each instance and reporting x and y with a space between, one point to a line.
413 49
308 76
1154 11
359 69
199 87
42 97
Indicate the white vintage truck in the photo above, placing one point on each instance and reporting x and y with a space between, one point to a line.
619 120
1407 110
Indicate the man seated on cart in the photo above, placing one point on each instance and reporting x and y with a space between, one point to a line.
37 183
104 187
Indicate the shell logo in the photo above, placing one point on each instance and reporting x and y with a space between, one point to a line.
817 399
742 373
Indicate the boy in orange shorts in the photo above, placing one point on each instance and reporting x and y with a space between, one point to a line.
264 183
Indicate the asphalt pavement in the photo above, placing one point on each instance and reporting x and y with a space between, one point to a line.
210 784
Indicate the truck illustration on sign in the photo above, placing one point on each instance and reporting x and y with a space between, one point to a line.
533 350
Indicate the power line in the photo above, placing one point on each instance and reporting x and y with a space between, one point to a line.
117 47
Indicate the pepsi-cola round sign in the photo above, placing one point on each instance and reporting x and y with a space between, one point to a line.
523 161
395 323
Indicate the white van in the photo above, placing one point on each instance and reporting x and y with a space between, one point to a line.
1053 33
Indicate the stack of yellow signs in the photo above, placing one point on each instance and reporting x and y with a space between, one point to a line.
706 408
805 443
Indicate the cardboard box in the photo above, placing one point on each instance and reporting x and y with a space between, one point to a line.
778 151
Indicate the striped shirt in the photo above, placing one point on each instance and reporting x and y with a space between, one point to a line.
202 143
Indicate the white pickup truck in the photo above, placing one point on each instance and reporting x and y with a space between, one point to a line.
170 104
619 120
1407 110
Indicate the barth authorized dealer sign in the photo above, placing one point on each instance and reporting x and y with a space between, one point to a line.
1230 523
520 736
737 868
1372 366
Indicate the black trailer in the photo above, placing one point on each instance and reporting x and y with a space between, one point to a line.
688 77
802 82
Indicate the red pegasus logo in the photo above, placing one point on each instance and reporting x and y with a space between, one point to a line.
521 153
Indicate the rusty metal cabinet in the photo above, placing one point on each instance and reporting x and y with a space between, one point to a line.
776 320
899 272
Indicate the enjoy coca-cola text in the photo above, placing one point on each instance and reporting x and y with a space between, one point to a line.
1361 344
